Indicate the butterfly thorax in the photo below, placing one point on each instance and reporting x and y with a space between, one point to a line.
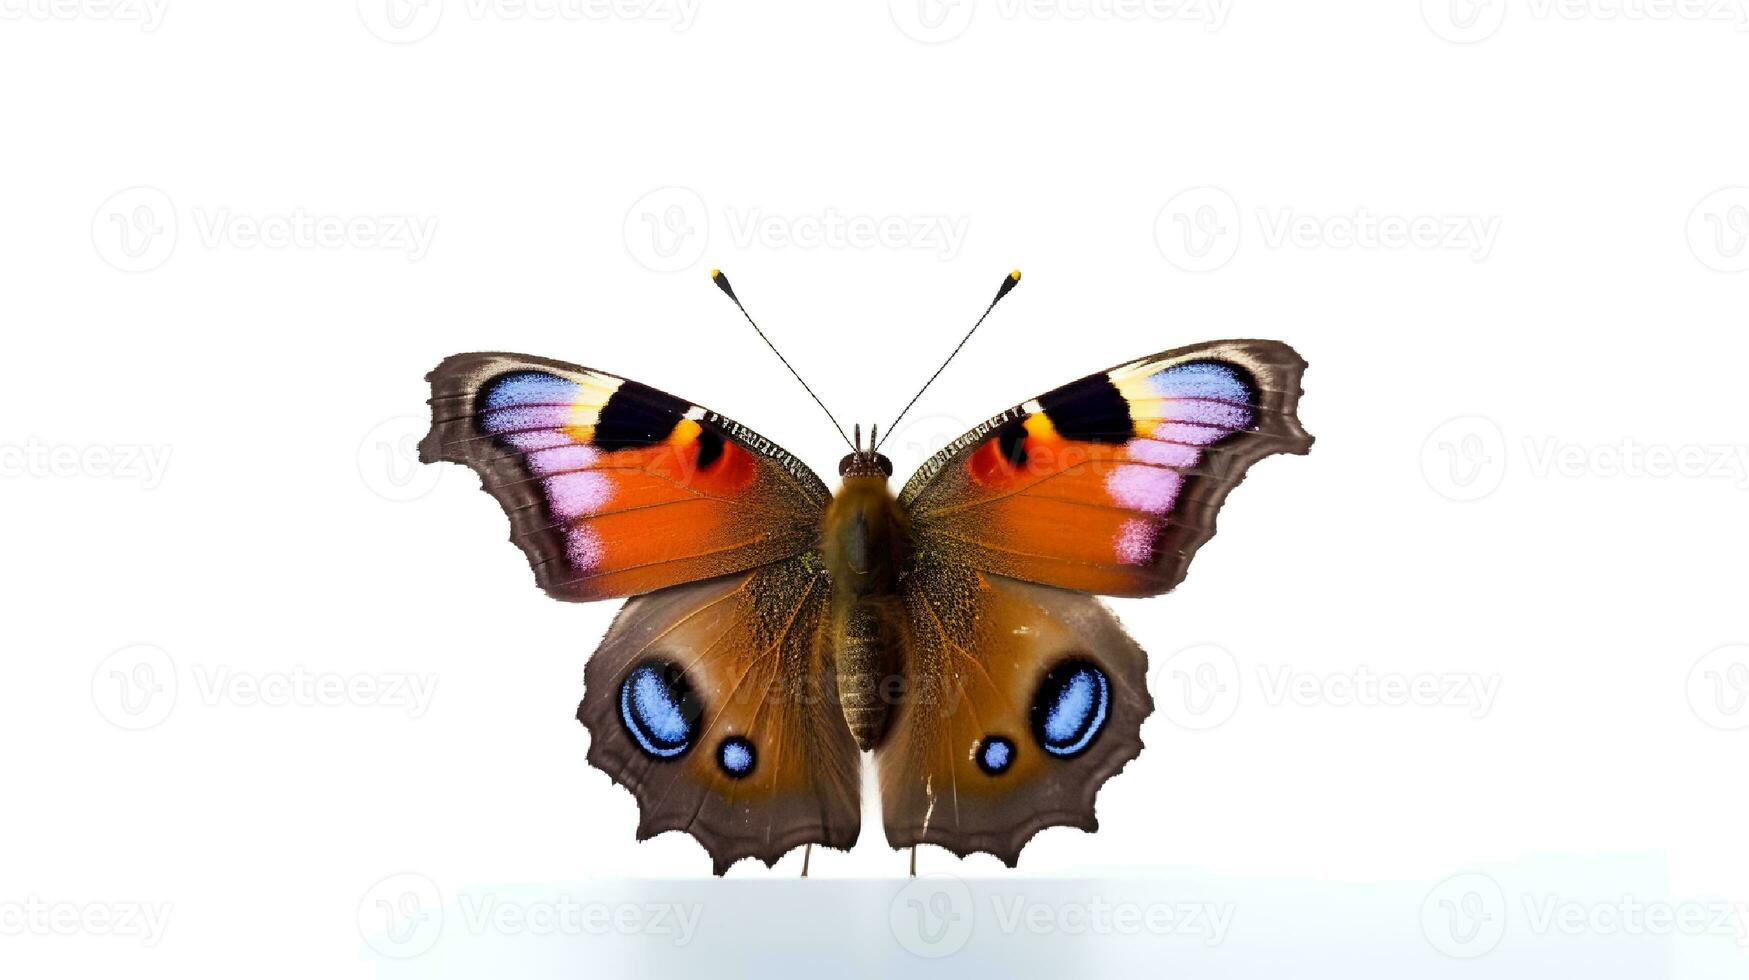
865 542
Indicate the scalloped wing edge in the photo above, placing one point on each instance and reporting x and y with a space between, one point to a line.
1007 848
725 851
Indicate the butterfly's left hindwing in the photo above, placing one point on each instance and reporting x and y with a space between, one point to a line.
716 704
614 488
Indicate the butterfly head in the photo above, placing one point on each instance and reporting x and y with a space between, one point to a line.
865 461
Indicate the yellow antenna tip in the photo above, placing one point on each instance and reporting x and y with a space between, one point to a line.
716 272
1015 275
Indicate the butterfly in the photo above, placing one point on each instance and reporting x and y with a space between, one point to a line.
777 629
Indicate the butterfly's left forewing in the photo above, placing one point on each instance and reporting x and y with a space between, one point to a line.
614 488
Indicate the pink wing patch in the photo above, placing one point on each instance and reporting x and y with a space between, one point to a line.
1177 412
534 413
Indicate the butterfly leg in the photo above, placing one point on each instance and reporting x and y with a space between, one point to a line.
807 853
913 860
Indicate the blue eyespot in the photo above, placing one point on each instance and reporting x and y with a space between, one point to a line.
994 755
1069 710
658 709
737 757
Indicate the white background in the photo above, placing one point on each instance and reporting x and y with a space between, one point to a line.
207 429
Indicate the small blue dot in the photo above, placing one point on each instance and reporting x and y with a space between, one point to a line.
994 755
736 757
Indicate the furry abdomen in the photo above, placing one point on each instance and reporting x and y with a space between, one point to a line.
866 543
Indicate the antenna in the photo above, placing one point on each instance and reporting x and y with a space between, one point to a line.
722 282
1008 284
